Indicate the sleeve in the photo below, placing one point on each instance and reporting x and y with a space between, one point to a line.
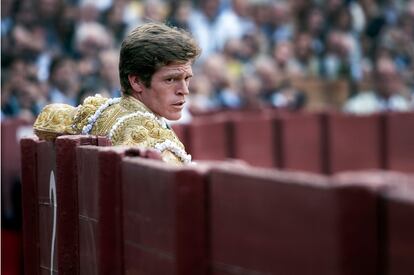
55 120
62 119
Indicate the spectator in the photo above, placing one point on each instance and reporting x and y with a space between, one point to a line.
251 87
64 81
269 76
336 59
234 23
89 12
305 61
22 94
315 25
108 72
337 40
288 97
276 90
232 55
7 9
223 84
154 10
390 93
204 25
280 22
283 56
180 14
201 97
114 21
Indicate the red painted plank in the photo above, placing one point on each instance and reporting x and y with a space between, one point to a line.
67 201
254 140
30 218
301 142
209 139
399 211
100 223
164 219
272 222
354 142
400 141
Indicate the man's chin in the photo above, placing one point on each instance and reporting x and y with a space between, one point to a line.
173 117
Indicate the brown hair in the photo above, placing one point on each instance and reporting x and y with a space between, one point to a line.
150 47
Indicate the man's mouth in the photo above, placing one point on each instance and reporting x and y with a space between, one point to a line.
179 103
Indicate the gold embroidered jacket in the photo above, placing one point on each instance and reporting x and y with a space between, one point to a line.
125 120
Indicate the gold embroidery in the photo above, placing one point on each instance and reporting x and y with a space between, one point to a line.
139 134
155 133
86 110
54 120
142 128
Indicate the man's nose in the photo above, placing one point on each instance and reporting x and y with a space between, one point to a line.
183 88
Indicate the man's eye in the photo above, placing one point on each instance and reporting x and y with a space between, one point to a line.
169 80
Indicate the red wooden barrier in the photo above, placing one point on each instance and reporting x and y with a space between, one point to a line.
301 142
181 130
399 221
255 140
354 142
378 182
122 215
30 218
269 222
99 194
49 195
164 219
209 139
323 143
400 141
100 207
37 164
67 200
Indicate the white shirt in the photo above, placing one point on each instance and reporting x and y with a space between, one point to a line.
369 102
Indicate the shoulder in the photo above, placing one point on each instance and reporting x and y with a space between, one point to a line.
90 111
54 120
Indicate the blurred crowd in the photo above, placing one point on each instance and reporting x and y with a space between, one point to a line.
60 51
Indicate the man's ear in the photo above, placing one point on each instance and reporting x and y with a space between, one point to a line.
136 83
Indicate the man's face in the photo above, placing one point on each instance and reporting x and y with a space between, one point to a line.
169 87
